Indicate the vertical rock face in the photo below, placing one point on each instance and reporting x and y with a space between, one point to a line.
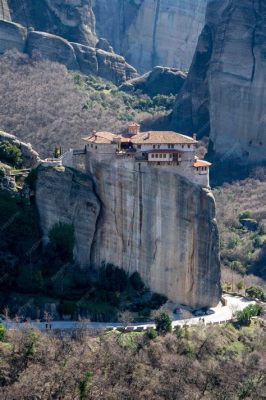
225 94
144 220
151 32
4 10
71 19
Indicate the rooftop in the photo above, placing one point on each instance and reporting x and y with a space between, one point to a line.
162 137
201 163
150 137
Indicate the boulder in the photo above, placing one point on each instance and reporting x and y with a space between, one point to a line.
53 48
103 44
12 36
160 80
86 58
111 66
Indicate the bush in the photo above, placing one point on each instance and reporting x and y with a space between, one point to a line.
32 178
62 240
136 281
10 154
163 323
255 293
112 278
151 333
245 214
244 316
3 332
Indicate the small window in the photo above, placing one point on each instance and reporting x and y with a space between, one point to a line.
169 146
156 155
172 146
96 147
197 169
161 156
91 145
182 146
154 146
188 146
158 146
152 156
164 156
139 146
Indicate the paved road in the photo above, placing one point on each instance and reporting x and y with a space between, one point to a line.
221 314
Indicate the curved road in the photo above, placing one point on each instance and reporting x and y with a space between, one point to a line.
221 314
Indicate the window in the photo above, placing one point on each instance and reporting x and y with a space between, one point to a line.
96 147
158 146
188 146
172 146
154 146
139 146
164 156
182 146
197 169
156 155
152 156
161 156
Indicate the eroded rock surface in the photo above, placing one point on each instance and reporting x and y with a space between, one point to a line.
160 80
72 19
224 95
4 10
151 32
12 37
144 220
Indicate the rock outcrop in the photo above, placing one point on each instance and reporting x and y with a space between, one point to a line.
4 11
52 48
151 32
73 19
30 156
145 220
160 80
73 55
224 95
12 37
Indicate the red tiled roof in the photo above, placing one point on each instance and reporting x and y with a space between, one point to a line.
201 163
162 137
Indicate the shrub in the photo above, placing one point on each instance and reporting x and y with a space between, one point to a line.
10 154
136 281
256 293
244 316
112 278
32 178
245 214
238 267
163 323
151 333
62 240
3 333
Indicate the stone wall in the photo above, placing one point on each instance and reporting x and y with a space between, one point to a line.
140 219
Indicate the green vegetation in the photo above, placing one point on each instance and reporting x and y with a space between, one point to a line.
3 333
244 316
215 362
62 241
10 154
163 323
256 293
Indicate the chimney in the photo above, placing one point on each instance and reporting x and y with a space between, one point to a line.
133 128
194 136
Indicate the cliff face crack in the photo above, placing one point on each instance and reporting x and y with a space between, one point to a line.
253 38
154 33
97 223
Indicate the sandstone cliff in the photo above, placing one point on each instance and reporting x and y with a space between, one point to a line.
73 19
224 95
151 32
140 219
74 56
4 10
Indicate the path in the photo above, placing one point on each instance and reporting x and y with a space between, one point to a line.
221 315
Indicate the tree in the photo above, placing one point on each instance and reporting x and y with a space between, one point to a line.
163 323
10 154
256 293
136 281
240 285
244 316
62 240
